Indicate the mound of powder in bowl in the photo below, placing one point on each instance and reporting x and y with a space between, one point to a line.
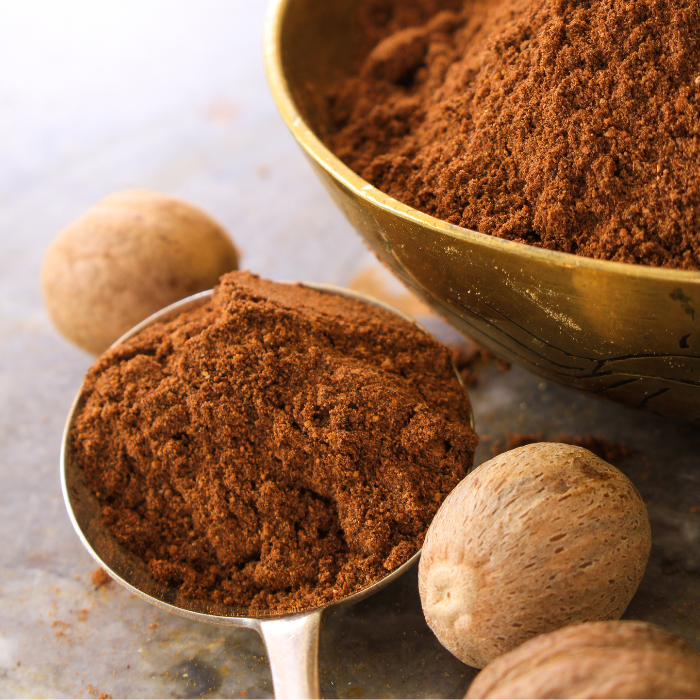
568 125
276 448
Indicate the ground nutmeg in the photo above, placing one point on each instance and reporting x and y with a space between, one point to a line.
276 448
564 124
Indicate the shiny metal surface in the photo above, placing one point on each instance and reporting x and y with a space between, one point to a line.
291 638
627 333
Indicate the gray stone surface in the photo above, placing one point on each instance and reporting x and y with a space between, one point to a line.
171 95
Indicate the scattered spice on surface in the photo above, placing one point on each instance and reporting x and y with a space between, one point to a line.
605 449
96 693
275 448
100 577
469 359
566 125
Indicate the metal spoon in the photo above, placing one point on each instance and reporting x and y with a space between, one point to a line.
291 639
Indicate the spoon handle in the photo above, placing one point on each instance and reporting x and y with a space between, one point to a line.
292 647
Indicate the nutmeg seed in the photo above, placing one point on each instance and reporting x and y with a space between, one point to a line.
127 257
620 659
537 538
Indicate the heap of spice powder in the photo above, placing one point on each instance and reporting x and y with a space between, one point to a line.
572 125
277 448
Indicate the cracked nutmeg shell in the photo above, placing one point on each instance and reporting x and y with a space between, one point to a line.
537 538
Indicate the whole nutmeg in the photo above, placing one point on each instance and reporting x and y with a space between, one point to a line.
130 255
623 659
537 538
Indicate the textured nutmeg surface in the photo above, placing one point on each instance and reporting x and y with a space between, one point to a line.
130 255
537 538
614 659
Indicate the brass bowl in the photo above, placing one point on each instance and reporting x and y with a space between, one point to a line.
628 333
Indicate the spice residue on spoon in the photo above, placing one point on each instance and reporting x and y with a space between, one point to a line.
277 448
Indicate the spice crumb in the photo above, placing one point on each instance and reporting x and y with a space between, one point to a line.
100 577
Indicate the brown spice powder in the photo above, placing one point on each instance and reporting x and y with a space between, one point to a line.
100 578
468 359
277 448
565 124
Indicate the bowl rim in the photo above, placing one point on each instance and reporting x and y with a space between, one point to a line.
328 161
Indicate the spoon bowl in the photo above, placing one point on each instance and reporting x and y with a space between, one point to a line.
291 638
